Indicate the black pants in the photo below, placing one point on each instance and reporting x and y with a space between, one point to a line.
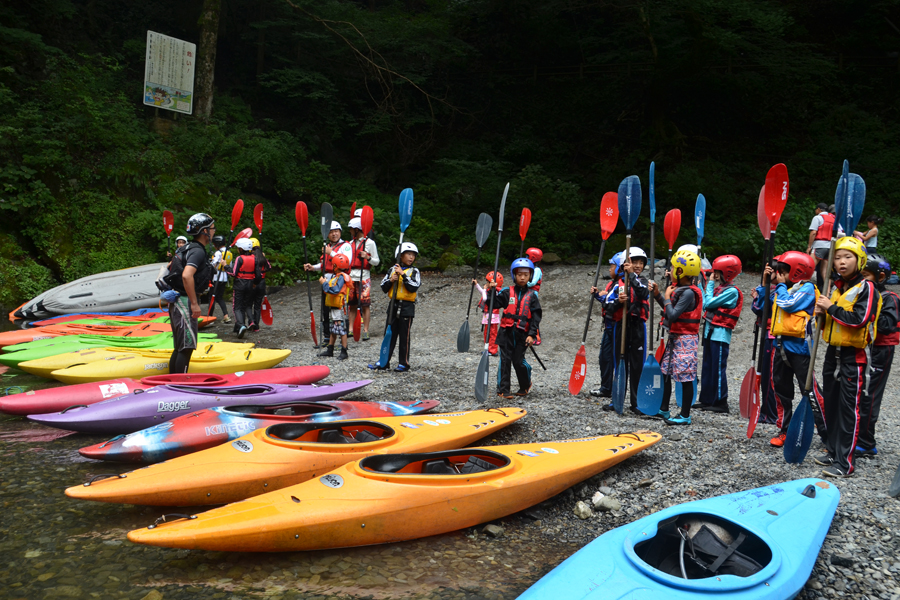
242 303
259 294
843 383
326 329
687 392
786 367
511 341
870 405
400 328
607 360
219 292
635 343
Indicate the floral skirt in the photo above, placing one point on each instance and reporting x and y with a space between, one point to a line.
679 360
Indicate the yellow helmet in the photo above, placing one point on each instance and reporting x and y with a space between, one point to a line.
254 242
685 264
855 246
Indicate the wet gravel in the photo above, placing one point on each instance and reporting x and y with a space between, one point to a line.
57 547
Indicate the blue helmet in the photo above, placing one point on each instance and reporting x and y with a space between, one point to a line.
878 264
521 263
617 260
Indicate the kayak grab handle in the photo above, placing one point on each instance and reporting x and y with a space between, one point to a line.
809 492
634 435
104 476
497 410
73 407
163 518
110 441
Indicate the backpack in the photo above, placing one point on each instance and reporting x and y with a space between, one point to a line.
202 277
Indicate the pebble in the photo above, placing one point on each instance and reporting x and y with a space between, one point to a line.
607 504
582 510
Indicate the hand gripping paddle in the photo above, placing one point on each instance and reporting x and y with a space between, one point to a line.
301 213
482 231
366 218
629 209
524 224
483 373
609 216
405 206
649 390
750 385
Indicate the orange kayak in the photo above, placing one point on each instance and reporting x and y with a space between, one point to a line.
287 454
396 497
21 336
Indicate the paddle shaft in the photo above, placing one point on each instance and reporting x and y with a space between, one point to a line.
652 275
820 321
538 358
475 275
767 304
390 315
587 322
625 305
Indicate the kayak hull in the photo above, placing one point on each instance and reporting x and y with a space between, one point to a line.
262 461
60 398
142 409
361 504
93 327
213 426
791 527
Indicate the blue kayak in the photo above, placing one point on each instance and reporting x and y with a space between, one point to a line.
758 544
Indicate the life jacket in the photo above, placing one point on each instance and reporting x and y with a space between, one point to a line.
788 323
340 299
518 311
247 268
725 317
325 259
358 262
826 228
401 291
202 276
687 323
889 338
858 337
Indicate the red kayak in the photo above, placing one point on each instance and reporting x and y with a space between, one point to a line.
60 398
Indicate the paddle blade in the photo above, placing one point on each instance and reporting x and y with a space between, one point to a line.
357 325
406 208
754 409
266 312
462 338
700 217
660 351
524 223
618 389
609 214
301 213
747 386
856 202
168 222
776 193
761 217
367 218
353 210
579 370
650 388
483 228
502 209
236 213
800 433
894 490
258 217
244 233
384 354
672 226
312 328
327 216
630 200
652 192
481 377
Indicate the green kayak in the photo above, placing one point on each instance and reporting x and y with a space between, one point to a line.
13 355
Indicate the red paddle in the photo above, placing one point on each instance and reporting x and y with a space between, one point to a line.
301 213
353 210
366 219
244 233
168 225
609 216
524 224
750 385
671 229
258 217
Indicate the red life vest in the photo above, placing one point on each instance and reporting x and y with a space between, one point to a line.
637 309
687 323
358 262
826 228
518 311
325 259
889 338
247 268
725 317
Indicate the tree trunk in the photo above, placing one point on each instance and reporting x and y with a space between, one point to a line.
206 65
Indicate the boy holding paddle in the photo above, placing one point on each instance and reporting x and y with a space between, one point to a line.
722 303
403 282
607 356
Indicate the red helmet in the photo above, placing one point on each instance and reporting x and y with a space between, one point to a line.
341 262
729 264
490 277
801 264
534 254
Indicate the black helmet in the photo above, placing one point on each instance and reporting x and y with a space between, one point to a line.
218 240
878 264
198 223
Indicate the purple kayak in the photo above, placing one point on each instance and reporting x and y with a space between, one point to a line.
145 408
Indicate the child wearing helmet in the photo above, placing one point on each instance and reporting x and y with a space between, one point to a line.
877 270
607 298
401 282
722 304
337 289
851 316
683 306
768 410
792 308
245 272
333 246
518 326
220 261
365 256
489 324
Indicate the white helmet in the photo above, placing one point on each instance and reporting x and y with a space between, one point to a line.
355 223
407 247
357 212
336 225
244 244
181 238
689 248
635 252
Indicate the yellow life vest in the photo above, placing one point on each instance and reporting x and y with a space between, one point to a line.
340 299
840 335
787 323
401 291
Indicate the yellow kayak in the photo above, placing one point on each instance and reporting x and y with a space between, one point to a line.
395 497
286 454
156 362
44 367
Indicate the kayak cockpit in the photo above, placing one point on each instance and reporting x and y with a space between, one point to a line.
236 390
450 462
300 409
347 432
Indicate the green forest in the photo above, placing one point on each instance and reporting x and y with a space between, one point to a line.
346 101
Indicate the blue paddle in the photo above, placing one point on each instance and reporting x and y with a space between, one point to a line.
699 222
483 372
649 398
629 209
406 208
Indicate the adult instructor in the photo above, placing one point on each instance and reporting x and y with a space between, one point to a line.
189 271
820 230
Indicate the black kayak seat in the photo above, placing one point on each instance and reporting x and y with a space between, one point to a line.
329 433
440 466
334 436
476 465
366 436
476 461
